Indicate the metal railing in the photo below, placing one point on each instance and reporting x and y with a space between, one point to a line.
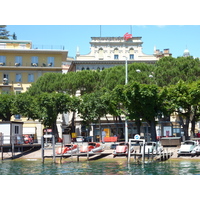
9 140
53 47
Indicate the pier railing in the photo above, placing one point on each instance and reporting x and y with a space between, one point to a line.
9 140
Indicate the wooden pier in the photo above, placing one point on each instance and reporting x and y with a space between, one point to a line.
20 149
131 156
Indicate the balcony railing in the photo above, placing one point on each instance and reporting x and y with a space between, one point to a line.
53 47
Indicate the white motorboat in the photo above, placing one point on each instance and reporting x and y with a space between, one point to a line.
188 147
153 148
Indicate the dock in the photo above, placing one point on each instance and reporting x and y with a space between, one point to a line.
17 150
135 156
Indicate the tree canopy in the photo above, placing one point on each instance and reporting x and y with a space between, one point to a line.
4 34
170 85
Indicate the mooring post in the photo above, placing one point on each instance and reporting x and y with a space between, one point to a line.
129 151
13 147
54 153
42 145
77 153
143 153
87 152
1 152
148 154
135 156
160 155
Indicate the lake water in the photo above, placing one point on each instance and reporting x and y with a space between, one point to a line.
100 167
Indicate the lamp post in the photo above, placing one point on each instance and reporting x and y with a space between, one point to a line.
126 81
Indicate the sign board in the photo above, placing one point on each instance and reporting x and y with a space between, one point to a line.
48 136
74 135
47 130
167 131
137 137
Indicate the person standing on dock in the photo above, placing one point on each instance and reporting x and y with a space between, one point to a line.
103 134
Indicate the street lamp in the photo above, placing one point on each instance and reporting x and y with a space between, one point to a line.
126 82
138 70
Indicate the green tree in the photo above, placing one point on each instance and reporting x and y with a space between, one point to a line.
14 36
26 105
49 82
184 100
140 101
169 70
92 106
4 34
6 106
45 107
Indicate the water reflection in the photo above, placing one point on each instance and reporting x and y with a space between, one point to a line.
100 167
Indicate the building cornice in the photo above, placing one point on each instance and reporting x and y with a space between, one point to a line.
35 51
14 68
111 61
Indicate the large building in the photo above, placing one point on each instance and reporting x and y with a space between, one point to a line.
20 66
111 51
106 52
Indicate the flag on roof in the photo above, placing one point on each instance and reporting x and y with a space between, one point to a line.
127 36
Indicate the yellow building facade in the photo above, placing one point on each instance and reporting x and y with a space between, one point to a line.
20 66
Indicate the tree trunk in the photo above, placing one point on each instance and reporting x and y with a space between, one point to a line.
185 126
152 124
73 123
193 126
55 131
138 125
194 117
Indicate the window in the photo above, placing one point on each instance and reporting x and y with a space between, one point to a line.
16 129
5 76
5 79
17 117
116 51
34 61
131 56
116 57
50 61
30 78
18 60
2 60
18 92
18 78
5 92
2 45
101 53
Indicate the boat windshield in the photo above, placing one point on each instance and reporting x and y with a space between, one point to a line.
189 143
91 144
68 145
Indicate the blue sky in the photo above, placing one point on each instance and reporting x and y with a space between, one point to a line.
175 37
